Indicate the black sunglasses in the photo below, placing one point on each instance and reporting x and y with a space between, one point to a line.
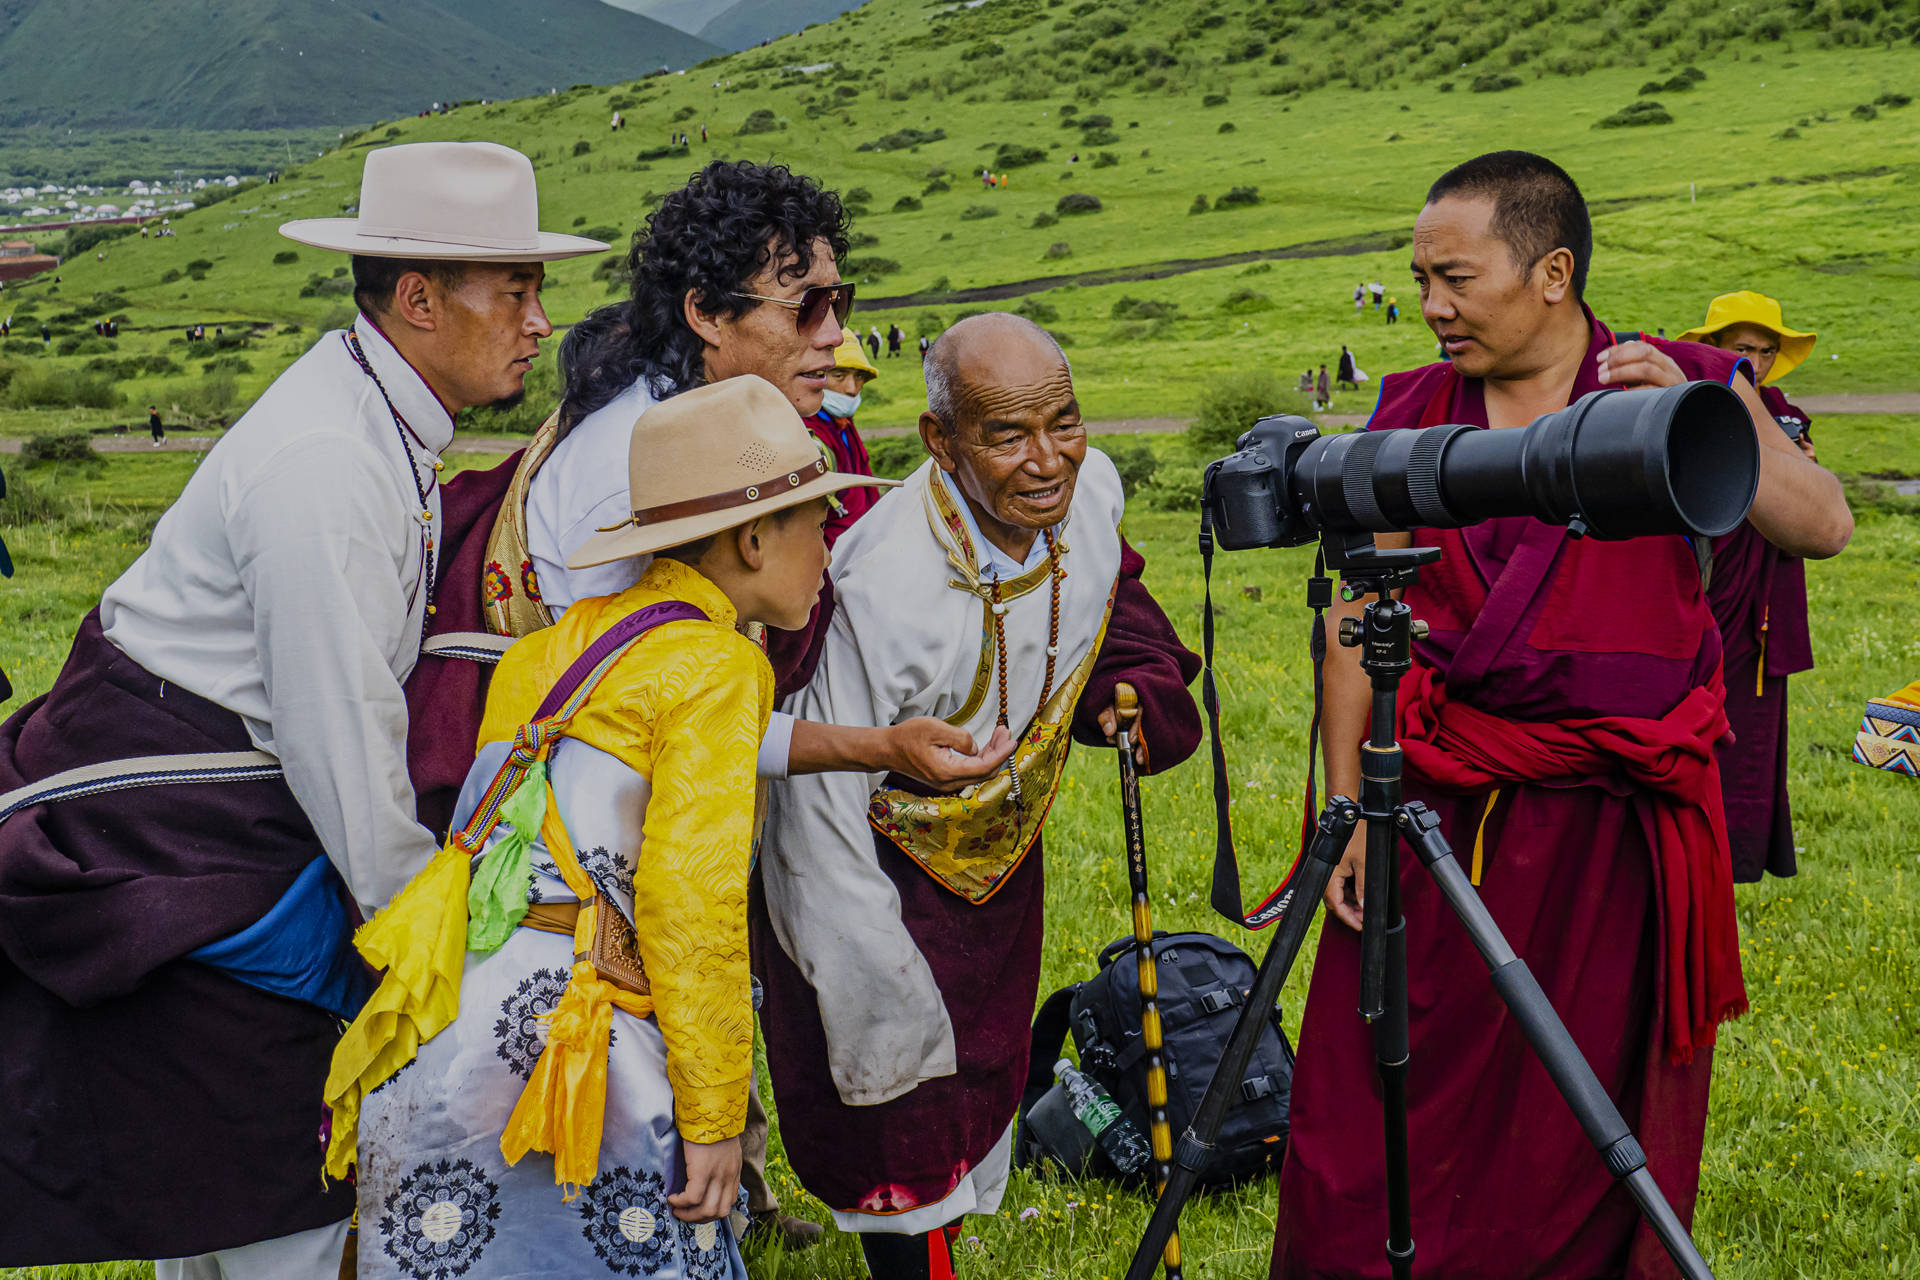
810 308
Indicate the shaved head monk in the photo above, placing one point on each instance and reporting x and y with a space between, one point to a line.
1560 718
898 933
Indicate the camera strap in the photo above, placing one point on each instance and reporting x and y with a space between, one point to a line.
1225 897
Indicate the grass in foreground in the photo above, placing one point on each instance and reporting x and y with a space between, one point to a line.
1812 1166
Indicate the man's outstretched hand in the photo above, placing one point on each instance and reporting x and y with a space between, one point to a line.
944 757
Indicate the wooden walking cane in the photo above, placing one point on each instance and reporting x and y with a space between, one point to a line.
1126 705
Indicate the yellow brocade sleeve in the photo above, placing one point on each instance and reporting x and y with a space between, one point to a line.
690 893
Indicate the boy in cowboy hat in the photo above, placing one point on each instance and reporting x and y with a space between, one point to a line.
175 957
629 794
1759 598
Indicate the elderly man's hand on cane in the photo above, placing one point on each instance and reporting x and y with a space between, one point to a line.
1125 712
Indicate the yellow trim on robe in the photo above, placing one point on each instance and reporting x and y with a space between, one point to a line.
685 708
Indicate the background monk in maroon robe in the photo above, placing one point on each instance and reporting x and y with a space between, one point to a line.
1561 719
1759 598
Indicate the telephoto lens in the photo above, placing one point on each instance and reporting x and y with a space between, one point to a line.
1614 464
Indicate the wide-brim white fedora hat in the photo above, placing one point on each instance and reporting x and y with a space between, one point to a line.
465 201
712 459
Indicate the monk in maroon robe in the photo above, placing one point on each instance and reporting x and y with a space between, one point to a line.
1561 718
1759 599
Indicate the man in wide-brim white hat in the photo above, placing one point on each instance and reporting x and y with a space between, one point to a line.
177 931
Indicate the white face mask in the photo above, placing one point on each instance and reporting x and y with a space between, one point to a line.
839 404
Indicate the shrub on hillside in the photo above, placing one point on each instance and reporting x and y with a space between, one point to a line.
907 204
1105 160
1136 462
658 153
975 212
285 257
902 140
1244 302
60 389
227 364
761 121
1044 219
1037 311
684 113
869 270
1893 100
59 447
1865 111
1058 249
864 240
82 344
169 275
1015 155
1099 138
1231 404
1214 100
1145 309
1488 82
1644 112
582 147
1226 126
938 187
1199 205
89 236
211 400
1077 202
895 457
24 504
1238 197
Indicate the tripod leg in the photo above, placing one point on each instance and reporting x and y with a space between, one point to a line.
1552 1043
1190 1154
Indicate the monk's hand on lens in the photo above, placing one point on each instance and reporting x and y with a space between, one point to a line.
945 756
1638 364
1346 893
713 1180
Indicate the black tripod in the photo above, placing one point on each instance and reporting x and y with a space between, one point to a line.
1384 636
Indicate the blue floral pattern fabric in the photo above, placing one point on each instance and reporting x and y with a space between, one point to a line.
438 1222
437 1200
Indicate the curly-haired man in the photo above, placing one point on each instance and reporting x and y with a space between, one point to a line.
735 273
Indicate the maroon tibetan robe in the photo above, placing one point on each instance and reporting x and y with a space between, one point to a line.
985 959
1759 598
1529 626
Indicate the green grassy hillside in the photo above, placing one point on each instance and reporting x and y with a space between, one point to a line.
1789 166
267 64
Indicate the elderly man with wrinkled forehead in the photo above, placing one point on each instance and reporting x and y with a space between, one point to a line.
899 935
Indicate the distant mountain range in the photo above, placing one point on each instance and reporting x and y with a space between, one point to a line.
738 24
280 64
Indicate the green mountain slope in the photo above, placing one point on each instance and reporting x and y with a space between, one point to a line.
1789 165
687 15
275 64
747 22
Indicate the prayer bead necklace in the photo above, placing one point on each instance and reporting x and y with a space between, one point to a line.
421 491
1053 648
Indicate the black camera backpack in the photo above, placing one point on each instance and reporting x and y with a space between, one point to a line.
1203 983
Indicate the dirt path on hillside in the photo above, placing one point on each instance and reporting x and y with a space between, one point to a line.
1370 242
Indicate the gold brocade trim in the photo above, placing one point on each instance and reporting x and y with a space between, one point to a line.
950 530
509 590
973 841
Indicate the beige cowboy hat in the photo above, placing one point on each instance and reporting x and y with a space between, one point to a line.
714 458
460 201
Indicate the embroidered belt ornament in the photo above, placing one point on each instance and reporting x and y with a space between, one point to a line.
509 613
471 897
971 843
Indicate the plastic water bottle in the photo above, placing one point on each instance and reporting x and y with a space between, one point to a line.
1118 1136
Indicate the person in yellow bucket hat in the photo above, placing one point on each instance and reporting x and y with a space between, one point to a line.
833 427
1758 594
1749 324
